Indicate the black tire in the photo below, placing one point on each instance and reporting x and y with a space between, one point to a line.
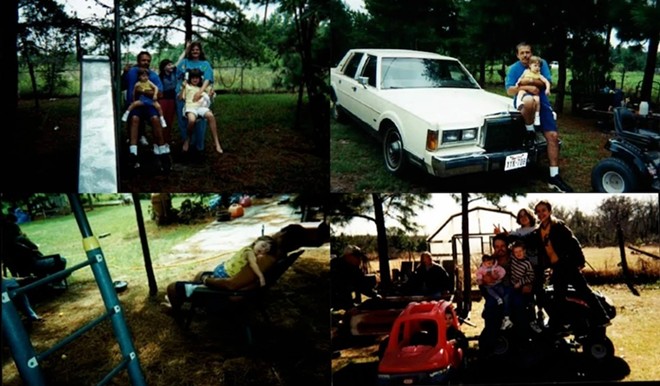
393 152
613 175
600 348
494 343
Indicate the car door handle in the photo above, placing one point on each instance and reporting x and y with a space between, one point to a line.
354 88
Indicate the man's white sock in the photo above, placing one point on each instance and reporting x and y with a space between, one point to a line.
164 149
156 150
554 170
132 149
529 127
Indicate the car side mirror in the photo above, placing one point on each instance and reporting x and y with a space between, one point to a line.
363 80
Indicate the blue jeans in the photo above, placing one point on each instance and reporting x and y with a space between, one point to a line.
21 299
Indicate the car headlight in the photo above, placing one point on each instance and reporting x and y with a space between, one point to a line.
469 134
449 136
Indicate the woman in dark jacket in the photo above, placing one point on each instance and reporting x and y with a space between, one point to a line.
561 251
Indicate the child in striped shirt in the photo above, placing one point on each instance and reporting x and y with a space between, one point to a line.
522 279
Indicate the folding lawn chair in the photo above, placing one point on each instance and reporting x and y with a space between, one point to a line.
236 304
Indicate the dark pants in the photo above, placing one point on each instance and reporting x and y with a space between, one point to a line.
47 265
564 275
522 307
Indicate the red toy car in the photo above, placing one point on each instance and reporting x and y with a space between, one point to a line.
418 350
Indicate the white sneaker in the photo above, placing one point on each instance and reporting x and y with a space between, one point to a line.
162 122
500 301
537 119
124 117
506 323
143 141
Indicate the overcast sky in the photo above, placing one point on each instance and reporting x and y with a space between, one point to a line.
445 206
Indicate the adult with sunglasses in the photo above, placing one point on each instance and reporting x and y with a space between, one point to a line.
561 251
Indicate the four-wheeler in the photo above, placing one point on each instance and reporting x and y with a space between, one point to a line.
634 164
578 329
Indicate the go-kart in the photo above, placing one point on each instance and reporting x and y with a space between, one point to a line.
578 329
634 164
417 350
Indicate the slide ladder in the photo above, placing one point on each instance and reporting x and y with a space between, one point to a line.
27 359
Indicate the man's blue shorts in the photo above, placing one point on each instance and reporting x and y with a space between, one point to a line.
145 113
548 122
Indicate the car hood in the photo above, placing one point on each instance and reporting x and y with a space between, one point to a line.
449 105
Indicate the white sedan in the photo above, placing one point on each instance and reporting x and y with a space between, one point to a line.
430 112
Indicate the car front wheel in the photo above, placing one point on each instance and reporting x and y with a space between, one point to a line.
393 153
613 175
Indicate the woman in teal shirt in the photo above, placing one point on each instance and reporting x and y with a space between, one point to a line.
193 57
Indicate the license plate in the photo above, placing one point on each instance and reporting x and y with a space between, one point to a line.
515 161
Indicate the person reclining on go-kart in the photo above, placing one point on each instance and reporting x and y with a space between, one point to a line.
562 253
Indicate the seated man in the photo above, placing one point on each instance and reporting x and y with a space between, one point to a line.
431 278
288 239
145 113
21 256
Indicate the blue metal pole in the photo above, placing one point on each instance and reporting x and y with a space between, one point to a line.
108 294
19 342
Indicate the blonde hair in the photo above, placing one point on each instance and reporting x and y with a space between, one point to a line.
535 59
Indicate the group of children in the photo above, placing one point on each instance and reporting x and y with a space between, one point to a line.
520 292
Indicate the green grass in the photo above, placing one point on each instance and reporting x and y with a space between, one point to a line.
121 246
355 153
264 152
212 350
255 79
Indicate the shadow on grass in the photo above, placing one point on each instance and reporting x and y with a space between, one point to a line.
523 368
263 150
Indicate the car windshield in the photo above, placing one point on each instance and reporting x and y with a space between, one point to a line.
424 73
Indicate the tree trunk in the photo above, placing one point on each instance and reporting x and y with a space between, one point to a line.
11 59
265 12
33 76
187 19
560 88
383 253
467 275
299 106
649 70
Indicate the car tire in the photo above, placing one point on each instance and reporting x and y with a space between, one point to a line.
393 151
613 175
